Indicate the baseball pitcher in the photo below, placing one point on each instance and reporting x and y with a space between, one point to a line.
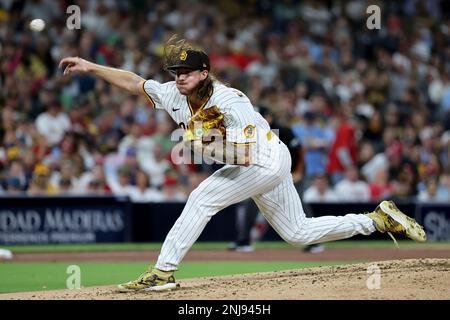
220 122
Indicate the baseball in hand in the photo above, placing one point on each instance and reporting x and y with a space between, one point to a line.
37 25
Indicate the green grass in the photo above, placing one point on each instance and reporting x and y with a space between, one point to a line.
219 245
19 277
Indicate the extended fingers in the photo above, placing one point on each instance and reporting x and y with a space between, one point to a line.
67 70
69 60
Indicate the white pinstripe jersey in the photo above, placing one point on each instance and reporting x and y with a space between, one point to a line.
243 124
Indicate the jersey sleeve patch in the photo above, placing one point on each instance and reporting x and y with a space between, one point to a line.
249 131
241 135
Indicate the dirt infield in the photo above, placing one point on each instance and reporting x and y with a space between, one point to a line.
404 274
399 279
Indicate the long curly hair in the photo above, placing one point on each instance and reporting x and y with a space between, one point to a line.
172 50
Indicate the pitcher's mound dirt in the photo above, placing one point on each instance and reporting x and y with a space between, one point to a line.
399 279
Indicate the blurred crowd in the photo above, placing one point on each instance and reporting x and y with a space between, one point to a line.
370 107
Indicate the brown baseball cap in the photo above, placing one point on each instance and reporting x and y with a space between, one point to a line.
191 59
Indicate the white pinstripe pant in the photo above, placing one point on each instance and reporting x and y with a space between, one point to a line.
270 185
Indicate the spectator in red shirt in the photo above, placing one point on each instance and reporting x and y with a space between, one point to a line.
343 152
381 188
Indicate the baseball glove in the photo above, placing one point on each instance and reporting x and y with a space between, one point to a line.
206 125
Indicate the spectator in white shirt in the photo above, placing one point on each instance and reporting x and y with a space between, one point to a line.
53 124
142 191
121 186
320 191
352 189
263 69
131 140
156 167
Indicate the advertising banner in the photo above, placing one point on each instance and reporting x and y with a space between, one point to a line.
435 219
63 220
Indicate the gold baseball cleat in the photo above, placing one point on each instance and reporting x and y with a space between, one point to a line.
388 218
151 280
